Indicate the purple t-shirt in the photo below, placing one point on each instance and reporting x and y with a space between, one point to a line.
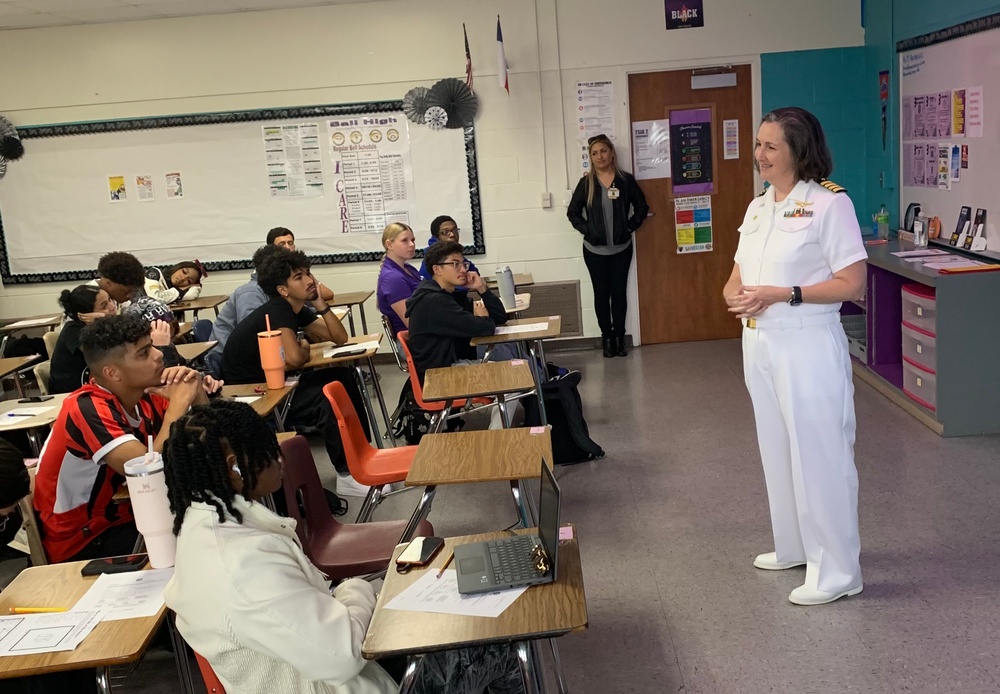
395 283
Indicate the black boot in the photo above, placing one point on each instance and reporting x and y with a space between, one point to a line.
619 347
609 347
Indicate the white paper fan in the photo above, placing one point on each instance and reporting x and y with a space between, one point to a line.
436 118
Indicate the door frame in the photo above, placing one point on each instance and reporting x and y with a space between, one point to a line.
632 326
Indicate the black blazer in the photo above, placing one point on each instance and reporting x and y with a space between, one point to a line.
587 217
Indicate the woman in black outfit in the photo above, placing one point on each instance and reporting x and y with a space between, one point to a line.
82 306
607 206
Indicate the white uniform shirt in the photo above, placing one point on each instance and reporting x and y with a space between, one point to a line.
781 248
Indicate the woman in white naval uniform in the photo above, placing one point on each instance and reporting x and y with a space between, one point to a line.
799 257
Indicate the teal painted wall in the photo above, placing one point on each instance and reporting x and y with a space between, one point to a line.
826 83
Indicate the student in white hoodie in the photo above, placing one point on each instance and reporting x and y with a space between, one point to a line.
248 599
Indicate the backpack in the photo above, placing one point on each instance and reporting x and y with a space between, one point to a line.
571 442
412 422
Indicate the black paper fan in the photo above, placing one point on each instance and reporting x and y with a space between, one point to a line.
415 104
457 100
436 118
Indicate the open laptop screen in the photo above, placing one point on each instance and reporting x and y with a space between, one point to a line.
548 515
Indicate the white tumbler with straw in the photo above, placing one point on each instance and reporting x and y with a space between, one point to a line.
147 489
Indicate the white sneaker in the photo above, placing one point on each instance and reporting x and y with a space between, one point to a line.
769 562
348 486
809 596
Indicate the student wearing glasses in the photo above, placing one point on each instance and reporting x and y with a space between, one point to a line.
443 228
607 207
443 320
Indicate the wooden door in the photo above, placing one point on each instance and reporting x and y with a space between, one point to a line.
680 295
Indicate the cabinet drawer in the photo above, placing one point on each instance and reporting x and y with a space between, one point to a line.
920 385
920 348
920 307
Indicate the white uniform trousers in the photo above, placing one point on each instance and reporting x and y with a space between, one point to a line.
801 385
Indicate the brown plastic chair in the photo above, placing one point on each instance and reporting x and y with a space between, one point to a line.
371 466
339 550
212 683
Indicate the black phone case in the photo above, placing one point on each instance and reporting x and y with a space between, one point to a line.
110 566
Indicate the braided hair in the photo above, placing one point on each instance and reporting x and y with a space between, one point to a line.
195 456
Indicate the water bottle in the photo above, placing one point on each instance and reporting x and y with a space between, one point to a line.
883 222
147 490
272 356
505 285
920 233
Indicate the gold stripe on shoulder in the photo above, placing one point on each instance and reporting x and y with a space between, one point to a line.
832 187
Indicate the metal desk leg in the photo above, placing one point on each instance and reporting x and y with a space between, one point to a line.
538 384
381 402
180 656
36 448
376 434
560 677
350 319
533 682
504 413
364 324
520 503
3 344
280 413
104 680
409 676
17 384
539 665
421 512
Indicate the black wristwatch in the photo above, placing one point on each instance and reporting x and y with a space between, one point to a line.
324 311
796 298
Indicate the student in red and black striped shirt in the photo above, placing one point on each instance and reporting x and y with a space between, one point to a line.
102 426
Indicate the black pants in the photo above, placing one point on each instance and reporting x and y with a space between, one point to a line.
609 275
311 411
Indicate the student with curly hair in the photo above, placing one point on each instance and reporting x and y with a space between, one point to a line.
249 600
180 281
82 306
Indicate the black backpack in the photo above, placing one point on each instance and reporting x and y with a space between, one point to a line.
412 422
571 442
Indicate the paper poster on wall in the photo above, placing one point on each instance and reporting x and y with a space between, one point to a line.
907 118
175 188
930 165
883 97
955 163
651 149
684 14
116 189
965 156
919 117
944 166
584 156
731 139
293 161
691 151
958 113
595 109
144 188
917 168
693 223
931 116
944 114
371 167
974 112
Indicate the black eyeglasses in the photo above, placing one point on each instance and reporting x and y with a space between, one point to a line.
465 264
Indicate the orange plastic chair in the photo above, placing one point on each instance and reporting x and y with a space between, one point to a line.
212 683
372 466
337 549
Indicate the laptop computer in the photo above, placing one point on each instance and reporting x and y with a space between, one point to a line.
519 560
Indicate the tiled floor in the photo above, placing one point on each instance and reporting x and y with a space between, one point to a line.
671 519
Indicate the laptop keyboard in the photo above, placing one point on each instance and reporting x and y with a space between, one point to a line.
512 561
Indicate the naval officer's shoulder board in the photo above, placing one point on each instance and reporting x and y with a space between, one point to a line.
832 187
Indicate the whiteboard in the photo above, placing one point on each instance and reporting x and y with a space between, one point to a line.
960 58
57 217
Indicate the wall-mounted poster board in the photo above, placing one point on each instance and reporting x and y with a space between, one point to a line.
209 186
950 121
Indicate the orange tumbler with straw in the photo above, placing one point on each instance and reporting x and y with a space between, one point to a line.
272 355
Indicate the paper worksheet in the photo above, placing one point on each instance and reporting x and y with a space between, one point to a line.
126 595
29 411
440 595
920 252
342 349
523 328
31 322
30 634
248 399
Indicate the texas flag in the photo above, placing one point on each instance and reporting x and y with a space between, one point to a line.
501 60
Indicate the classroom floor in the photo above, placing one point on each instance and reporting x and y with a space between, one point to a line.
670 520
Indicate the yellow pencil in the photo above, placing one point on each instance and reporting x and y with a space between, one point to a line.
441 572
33 610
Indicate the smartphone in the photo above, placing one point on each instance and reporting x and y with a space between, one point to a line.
36 398
420 551
114 565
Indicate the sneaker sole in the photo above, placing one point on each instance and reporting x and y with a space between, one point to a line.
838 596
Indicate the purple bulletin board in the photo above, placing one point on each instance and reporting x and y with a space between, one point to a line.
691 151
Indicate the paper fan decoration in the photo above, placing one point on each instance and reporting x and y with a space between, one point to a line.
436 118
11 148
415 104
457 100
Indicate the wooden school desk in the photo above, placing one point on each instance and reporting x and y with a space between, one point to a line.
12 365
521 279
110 643
544 611
350 300
195 305
268 400
194 350
498 378
31 425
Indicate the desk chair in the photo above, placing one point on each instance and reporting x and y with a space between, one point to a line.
371 466
440 411
42 373
212 683
400 364
338 550
50 339
32 524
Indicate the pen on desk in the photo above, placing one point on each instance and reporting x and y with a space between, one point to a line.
33 610
441 572
20 414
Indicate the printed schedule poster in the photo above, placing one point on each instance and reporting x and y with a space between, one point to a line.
693 223
595 107
373 177
293 160
691 151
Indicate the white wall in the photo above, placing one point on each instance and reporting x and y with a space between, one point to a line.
372 51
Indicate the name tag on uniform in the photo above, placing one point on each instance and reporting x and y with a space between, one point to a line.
612 193
799 212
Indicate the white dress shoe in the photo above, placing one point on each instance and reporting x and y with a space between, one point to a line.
809 596
769 562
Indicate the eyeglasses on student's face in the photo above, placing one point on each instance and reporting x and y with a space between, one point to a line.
458 264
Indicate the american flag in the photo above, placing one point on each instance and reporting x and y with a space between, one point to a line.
468 59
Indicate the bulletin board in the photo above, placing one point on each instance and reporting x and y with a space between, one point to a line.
210 186
950 100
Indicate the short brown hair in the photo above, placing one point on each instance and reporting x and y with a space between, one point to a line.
806 142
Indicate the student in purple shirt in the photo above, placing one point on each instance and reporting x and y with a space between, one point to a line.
396 279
